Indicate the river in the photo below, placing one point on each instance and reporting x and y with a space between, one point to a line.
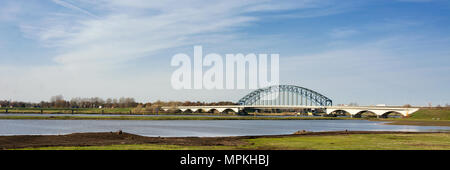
200 128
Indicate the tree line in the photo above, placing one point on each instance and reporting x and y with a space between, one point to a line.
97 102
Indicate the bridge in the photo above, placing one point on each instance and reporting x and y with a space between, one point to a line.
293 98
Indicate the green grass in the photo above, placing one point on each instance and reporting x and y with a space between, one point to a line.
432 141
68 110
430 113
166 118
358 142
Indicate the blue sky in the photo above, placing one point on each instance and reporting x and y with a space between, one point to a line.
366 51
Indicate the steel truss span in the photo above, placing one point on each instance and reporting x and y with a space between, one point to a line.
286 95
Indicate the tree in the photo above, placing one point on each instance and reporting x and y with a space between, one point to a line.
57 101
109 103
138 109
154 108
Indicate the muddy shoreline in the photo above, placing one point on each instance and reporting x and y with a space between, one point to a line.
118 138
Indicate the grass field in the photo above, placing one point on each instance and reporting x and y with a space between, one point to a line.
432 141
68 111
431 114
166 118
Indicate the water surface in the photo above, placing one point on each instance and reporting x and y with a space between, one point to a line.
201 128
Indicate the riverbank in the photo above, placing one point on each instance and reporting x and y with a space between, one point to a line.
167 118
347 140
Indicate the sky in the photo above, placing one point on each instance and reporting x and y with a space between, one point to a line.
370 52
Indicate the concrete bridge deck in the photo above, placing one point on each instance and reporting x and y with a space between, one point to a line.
352 110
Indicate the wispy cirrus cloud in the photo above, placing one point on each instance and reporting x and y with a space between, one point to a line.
112 48
146 27
73 7
92 38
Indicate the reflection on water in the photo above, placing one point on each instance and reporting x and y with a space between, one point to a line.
172 128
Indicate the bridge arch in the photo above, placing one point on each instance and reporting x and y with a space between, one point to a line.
360 113
176 110
386 114
230 110
340 112
285 95
186 110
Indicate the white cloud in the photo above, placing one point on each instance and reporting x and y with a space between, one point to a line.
91 49
120 36
126 30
